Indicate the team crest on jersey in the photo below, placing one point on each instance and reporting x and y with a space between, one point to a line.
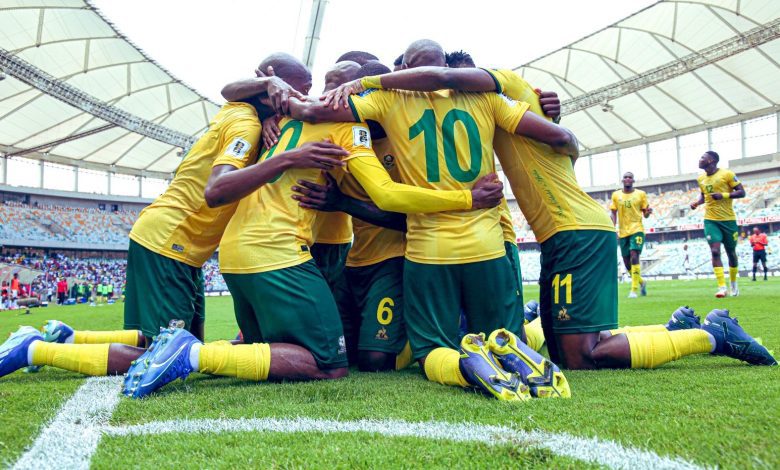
563 315
361 137
342 345
388 161
382 334
238 148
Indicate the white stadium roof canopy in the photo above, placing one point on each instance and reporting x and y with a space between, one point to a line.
78 92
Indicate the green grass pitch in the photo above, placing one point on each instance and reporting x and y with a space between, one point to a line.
710 411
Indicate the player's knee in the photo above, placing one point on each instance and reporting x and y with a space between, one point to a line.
338 373
715 253
375 361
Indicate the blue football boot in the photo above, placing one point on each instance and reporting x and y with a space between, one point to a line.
684 318
480 369
167 359
731 340
13 353
55 331
544 378
531 311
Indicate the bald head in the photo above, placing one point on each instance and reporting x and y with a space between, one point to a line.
361 57
341 73
289 69
424 52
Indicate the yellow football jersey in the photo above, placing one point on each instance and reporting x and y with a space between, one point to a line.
722 181
445 141
549 195
629 208
332 228
179 224
373 244
507 225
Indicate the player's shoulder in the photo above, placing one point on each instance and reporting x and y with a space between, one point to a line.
701 177
616 193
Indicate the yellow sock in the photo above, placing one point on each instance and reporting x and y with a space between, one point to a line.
636 278
534 335
443 366
638 329
88 359
404 358
719 276
245 361
650 350
733 273
129 337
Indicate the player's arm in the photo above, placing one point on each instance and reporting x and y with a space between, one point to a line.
737 192
312 110
613 210
646 209
228 184
561 140
278 91
328 198
698 202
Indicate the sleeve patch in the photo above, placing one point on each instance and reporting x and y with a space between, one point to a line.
238 148
508 100
361 137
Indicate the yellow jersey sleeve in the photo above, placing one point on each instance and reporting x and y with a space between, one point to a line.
644 204
371 104
511 84
507 112
731 179
239 143
613 202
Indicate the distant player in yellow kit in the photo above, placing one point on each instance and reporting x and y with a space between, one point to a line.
718 187
629 206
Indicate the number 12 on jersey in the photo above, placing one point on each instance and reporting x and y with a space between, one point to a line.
559 283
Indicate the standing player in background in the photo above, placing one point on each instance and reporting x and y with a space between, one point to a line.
759 243
687 262
718 187
578 277
630 205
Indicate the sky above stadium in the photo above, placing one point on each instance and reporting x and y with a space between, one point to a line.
208 44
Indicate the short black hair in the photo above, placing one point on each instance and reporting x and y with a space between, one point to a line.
714 155
372 67
458 59
361 57
398 60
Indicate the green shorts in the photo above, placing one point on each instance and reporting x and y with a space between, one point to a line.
160 289
722 231
379 300
633 242
513 255
578 282
435 294
290 305
330 261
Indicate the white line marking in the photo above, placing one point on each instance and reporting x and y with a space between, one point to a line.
603 452
71 438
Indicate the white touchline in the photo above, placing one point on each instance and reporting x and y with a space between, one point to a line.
603 452
71 438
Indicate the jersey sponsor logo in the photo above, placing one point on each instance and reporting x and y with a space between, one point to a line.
563 315
342 345
361 137
388 161
366 92
238 148
177 248
508 100
381 334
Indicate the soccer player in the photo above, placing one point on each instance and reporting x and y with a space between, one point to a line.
719 187
629 205
446 142
283 305
578 279
185 224
759 243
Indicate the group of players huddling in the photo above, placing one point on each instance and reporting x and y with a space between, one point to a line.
401 165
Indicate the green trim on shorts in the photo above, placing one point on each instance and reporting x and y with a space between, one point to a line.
160 289
632 243
290 305
722 231
578 284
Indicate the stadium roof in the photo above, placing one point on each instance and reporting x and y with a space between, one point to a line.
78 92
675 67
56 45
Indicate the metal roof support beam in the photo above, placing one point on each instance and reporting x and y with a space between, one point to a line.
54 143
71 95
313 36
710 55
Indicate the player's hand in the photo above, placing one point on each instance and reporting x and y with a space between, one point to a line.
694 205
325 198
550 103
716 196
321 155
270 132
487 192
340 94
279 93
